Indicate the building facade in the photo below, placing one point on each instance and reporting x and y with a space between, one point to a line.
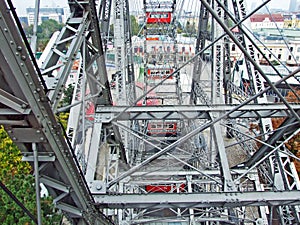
266 21
58 14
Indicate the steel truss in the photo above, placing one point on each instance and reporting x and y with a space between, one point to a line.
27 114
114 171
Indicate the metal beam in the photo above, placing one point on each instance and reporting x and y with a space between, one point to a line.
246 54
193 111
289 126
19 78
208 199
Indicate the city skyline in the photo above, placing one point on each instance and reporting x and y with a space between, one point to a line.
22 5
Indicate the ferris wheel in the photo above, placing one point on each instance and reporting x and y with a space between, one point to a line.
177 124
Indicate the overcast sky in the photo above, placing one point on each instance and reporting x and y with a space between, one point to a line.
274 4
21 5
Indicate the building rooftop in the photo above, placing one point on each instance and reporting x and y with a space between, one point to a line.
261 17
46 10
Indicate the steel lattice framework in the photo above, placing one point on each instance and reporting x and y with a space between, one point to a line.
110 167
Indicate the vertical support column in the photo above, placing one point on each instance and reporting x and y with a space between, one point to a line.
120 56
190 190
37 184
35 25
263 210
121 212
202 36
94 145
218 59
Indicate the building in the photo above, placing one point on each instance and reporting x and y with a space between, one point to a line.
58 14
267 21
292 20
276 45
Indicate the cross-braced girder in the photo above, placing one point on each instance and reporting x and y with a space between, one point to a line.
177 141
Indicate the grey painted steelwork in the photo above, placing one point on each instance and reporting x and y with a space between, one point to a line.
104 19
19 79
198 176
195 112
227 200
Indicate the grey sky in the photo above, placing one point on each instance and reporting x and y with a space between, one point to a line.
276 4
21 5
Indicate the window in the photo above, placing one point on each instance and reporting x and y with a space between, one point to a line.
159 126
169 126
233 47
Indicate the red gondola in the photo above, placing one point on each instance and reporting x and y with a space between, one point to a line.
162 129
159 73
152 38
171 188
158 17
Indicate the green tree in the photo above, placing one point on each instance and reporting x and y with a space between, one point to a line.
44 32
111 31
63 117
28 30
179 28
16 176
135 28
47 28
68 95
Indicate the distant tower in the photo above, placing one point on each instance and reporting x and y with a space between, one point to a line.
298 6
293 5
